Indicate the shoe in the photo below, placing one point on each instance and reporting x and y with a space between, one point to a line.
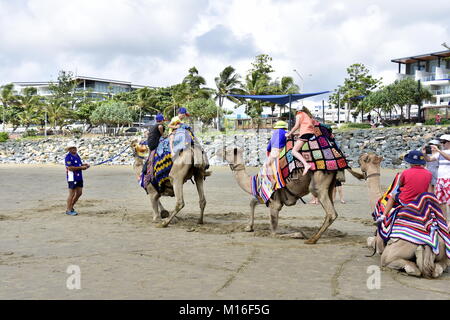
71 213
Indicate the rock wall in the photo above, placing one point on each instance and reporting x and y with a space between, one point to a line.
391 143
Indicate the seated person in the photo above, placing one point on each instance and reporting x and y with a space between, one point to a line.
304 130
155 132
277 142
413 182
174 124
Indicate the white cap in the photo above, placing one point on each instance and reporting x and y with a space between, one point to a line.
71 144
434 141
445 137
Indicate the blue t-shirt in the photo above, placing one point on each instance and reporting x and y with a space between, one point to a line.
73 161
278 139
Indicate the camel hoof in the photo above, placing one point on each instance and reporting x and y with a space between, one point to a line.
165 214
438 271
411 271
311 241
371 242
200 221
248 229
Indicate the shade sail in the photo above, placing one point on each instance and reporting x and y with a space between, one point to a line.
280 98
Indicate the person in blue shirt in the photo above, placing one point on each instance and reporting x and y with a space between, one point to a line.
277 142
74 175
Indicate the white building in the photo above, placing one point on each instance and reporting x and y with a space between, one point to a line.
94 87
433 71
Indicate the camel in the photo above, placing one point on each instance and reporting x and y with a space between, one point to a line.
190 163
398 253
319 183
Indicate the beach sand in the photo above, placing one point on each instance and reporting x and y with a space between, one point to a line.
123 255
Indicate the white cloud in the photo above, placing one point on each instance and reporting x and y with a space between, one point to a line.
155 42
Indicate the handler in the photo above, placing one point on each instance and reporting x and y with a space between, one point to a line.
74 167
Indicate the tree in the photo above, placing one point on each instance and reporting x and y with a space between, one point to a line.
145 101
194 85
203 109
30 107
112 113
358 83
6 98
285 86
227 83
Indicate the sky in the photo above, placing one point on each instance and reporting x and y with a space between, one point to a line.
155 42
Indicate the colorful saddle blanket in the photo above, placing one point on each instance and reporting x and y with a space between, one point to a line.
321 152
160 162
420 221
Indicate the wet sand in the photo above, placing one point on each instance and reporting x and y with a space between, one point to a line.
123 255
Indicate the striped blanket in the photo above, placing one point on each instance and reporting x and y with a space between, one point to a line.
321 152
160 162
420 221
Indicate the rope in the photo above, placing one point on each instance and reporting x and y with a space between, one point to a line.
112 158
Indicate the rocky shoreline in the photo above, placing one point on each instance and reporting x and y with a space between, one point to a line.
391 143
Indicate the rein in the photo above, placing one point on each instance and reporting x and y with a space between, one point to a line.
112 158
371 175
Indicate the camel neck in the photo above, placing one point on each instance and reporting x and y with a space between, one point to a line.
374 186
242 178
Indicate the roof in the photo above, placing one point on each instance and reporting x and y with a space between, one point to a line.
423 57
46 83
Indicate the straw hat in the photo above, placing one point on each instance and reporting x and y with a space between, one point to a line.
71 144
280 125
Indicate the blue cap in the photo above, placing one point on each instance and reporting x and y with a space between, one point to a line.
415 157
183 111
159 117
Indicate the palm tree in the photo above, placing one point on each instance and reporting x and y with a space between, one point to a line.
29 103
194 83
6 98
144 101
285 86
227 83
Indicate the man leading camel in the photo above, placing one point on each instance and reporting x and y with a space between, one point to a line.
74 176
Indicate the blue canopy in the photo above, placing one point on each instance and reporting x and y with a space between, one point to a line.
279 98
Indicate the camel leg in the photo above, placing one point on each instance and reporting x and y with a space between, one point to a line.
409 267
178 190
253 204
154 200
201 196
162 211
397 255
275 207
324 194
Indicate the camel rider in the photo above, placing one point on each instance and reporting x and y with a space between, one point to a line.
155 132
277 142
413 182
176 123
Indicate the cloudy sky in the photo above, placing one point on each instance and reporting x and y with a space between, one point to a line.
155 42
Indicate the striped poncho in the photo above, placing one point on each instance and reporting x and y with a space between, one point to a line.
420 221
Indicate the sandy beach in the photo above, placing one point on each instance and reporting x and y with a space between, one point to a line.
123 255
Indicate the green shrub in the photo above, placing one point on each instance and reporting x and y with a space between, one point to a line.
358 125
30 133
4 136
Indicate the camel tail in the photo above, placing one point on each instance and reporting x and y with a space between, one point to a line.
425 260
357 175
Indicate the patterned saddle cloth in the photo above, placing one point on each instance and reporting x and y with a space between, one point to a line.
160 162
420 221
321 152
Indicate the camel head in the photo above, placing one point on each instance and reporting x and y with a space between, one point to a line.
231 155
370 162
139 150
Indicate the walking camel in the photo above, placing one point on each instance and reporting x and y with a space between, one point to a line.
319 183
398 253
190 163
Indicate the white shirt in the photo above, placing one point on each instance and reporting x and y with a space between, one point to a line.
444 165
